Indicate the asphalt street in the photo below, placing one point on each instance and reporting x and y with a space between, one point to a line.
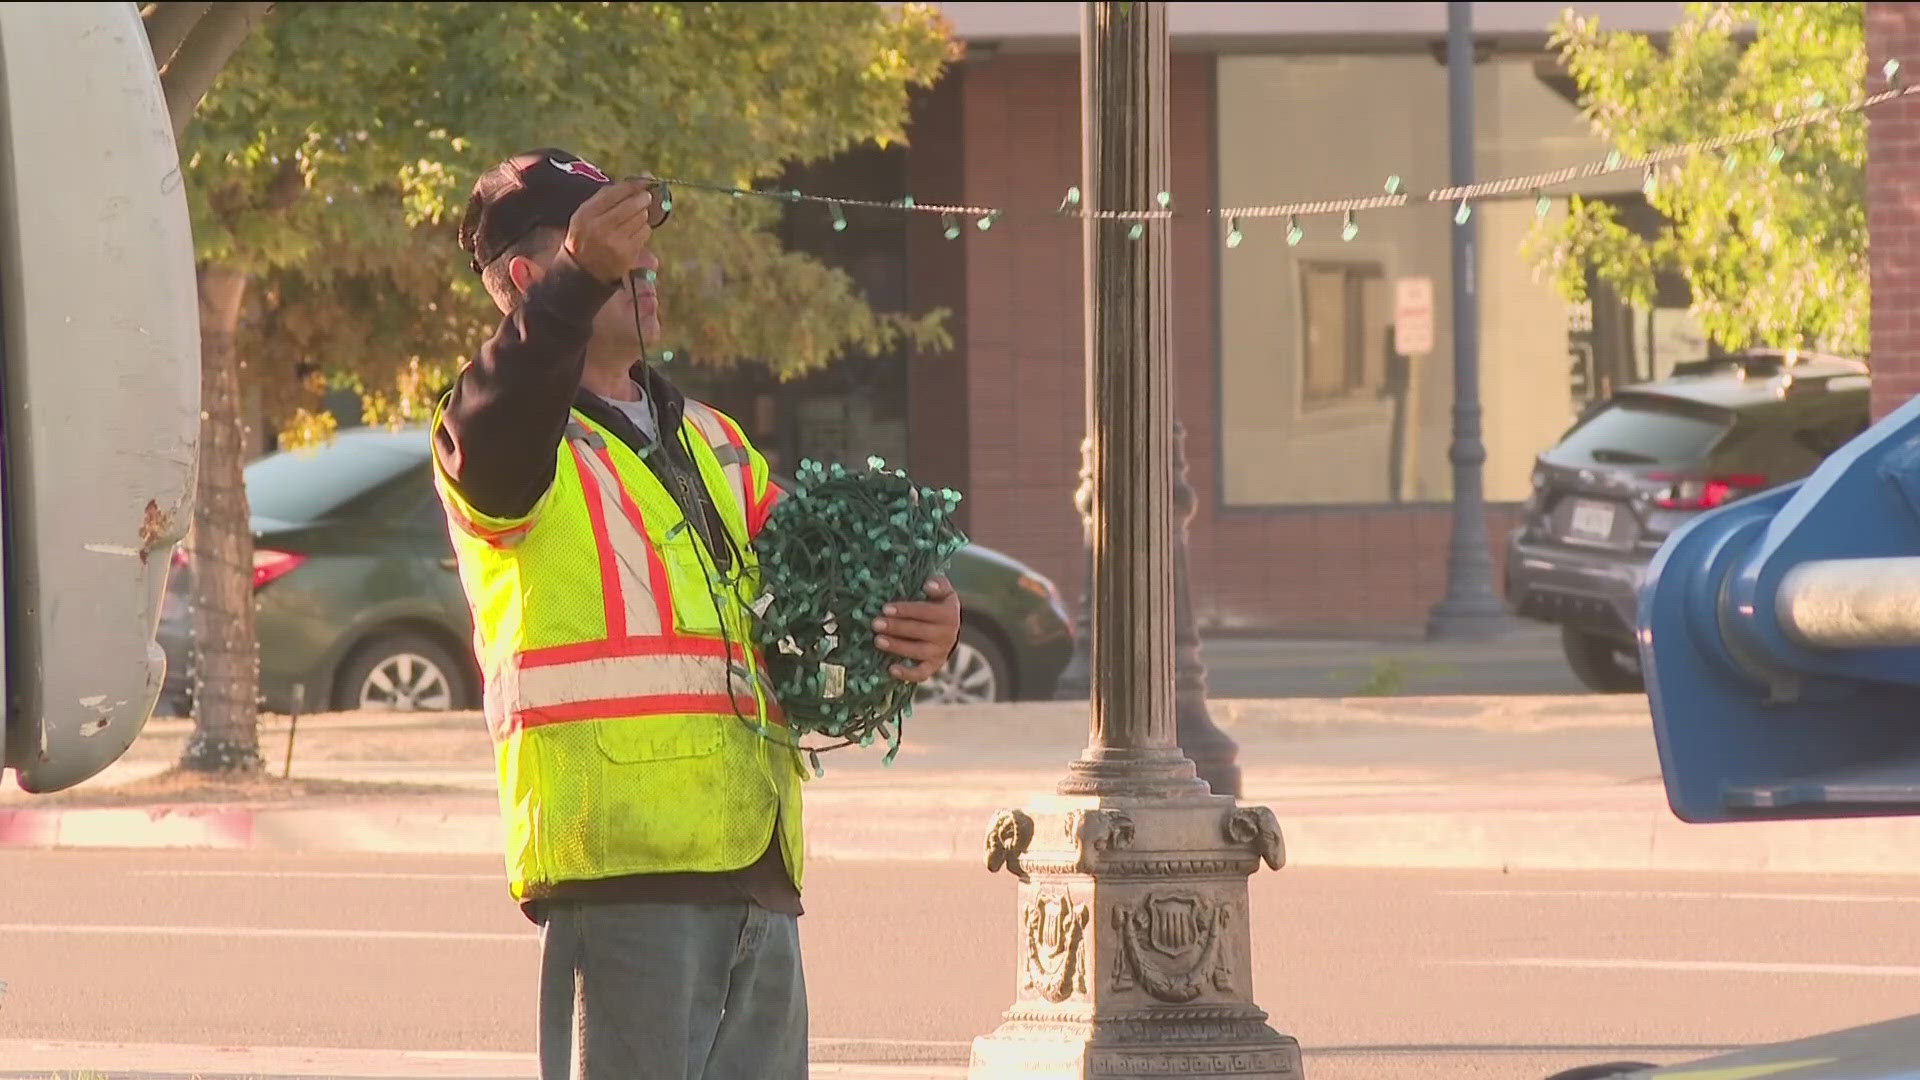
157 962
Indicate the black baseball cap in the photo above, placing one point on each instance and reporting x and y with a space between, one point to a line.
528 190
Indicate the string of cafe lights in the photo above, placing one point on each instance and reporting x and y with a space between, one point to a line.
1463 197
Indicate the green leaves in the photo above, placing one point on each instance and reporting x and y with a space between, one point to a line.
334 155
1771 236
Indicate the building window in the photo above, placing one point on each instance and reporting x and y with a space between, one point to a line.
1345 312
1314 407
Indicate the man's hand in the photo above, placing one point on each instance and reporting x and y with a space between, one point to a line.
608 236
923 631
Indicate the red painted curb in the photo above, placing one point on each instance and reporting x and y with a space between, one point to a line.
27 828
146 826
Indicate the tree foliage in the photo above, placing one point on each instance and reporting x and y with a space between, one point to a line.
1770 236
330 161
333 158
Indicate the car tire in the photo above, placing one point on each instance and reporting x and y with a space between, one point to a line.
402 672
1596 662
978 673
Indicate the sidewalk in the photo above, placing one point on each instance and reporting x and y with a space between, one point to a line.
1515 782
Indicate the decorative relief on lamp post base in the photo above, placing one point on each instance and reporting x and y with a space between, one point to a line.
1170 947
1134 954
1056 948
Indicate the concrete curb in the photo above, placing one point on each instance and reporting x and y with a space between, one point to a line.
39 1059
1620 836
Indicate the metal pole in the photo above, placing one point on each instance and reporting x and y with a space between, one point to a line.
1213 752
1134 935
1471 610
1124 163
293 726
1076 680
1852 603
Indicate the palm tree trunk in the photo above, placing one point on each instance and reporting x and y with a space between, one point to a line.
226 735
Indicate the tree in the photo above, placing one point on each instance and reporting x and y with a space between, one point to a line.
331 159
192 43
1770 236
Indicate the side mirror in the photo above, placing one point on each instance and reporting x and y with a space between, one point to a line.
99 383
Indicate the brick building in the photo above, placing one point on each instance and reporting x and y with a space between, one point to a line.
1893 210
1318 458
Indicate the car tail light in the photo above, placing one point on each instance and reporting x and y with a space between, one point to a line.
1038 586
269 565
1537 493
1704 493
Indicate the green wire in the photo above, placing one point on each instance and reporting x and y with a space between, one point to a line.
840 547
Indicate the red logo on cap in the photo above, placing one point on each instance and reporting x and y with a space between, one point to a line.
581 168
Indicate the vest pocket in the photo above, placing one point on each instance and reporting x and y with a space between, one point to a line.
696 599
657 738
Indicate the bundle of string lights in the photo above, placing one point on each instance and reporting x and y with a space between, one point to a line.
836 550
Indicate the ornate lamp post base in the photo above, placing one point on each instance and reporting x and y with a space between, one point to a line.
1134 944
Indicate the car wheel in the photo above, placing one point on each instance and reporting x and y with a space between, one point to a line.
976 674
401 673
1601 664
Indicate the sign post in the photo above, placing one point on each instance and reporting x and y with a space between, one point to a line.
1471 610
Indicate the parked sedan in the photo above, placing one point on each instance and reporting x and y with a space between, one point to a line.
1647 460
359 604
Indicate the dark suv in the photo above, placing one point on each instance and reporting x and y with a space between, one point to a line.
1636 466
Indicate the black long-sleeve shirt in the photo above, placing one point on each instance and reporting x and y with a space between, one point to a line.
497 441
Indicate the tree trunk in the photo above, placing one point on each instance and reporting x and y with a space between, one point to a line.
226 736
201 52
168 25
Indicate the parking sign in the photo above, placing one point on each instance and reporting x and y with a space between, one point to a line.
1413 316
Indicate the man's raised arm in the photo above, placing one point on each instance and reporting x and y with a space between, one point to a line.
507 413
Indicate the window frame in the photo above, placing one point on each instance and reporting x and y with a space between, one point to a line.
1356 272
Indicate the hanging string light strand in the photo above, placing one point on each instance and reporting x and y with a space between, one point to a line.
1530 186
1641 163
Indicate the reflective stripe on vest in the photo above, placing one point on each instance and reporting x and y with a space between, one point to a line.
633 581
601 681
730 450
500 538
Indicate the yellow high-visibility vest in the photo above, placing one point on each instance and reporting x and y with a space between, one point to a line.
634 728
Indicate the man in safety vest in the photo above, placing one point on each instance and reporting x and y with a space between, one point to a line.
603 524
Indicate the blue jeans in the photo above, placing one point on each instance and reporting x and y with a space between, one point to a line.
658 991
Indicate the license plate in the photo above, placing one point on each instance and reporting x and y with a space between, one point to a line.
1593 520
